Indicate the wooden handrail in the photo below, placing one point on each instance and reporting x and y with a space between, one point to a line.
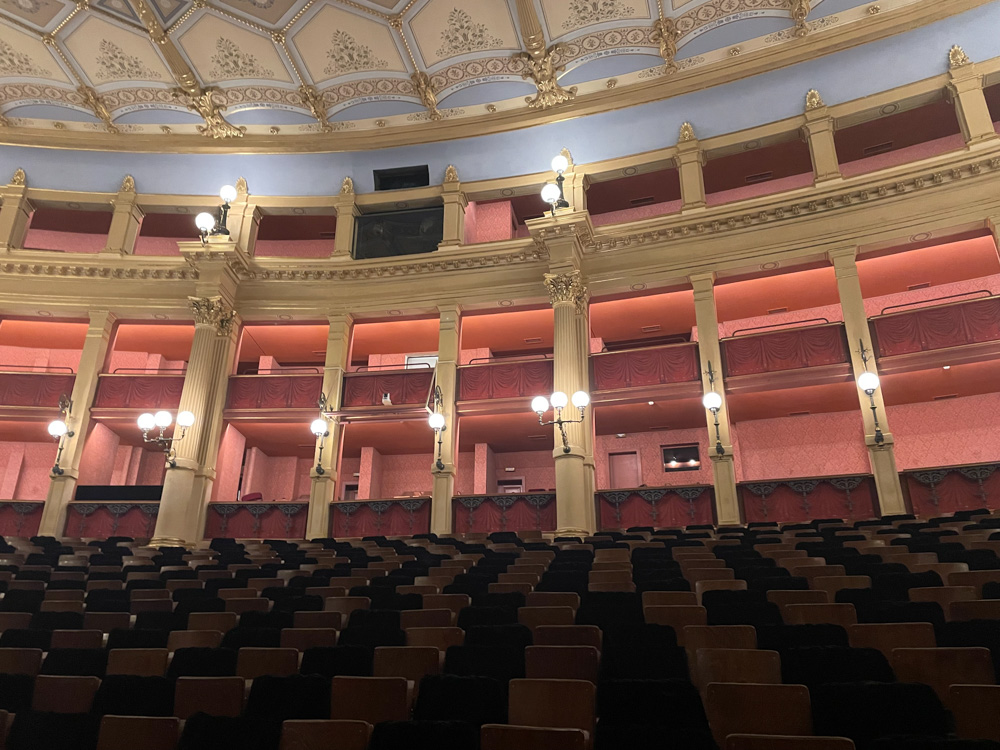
987 292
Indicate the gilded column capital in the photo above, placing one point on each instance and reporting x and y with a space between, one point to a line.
213 312
567 288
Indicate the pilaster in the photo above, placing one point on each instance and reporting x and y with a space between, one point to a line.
323 487
92 358
966 91
345 205
449 346
455 204
690 160
244 224
881 455
15 212
818 132
126 220
727 507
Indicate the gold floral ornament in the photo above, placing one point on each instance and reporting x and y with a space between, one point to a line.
464 35
350 56
202 101
241 186
114 64
589 12
957 57
17 63
347 186
19 178
566 288
687 133
213 311
314 101
97 106
814 100
665 34
542 68
451 174
229 61
128 184
800 12
424 89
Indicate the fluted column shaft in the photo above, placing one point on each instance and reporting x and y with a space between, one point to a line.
323 487
881 455
449 348
187 487
92 358
727 506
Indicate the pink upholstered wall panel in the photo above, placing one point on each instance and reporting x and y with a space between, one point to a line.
833 313
152 468
227 468
536 467
11 458
135 363
294 248
275 477
369 483
808 446
465 475
903 155
36 463
66 242
875 305
647 445
494 221
760 189
945 433
98 460
636 214
159 245
403 475
348 468
466 356
24 357
486 470
470 223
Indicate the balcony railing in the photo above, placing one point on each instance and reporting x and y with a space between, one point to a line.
504 379
274 391
34 388
633 368
405 387
139 391
938 326
785 349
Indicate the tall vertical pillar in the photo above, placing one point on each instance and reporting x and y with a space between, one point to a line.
966 90
347 211
576 184
244 219
818 131
323 487
62 486
449 347
455 204
881 455
187 486
15 213
727 506
582 319
126 220
690 160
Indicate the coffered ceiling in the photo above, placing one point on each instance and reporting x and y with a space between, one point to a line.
228 68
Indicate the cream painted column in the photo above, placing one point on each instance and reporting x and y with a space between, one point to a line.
449 346
727 506
125 221
818 131
187 487
582 320
15 212
347 211
323 487
576 184
690 160
966 90
62 486
882 456
455 204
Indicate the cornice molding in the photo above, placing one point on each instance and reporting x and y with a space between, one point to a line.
820 42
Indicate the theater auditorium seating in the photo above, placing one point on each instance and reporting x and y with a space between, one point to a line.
877 635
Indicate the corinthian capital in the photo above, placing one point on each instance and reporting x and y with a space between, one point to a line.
567 288
214 312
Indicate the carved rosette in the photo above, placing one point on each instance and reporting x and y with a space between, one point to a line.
128 184
957 57
347 186
567 288
451 174
241 186
19 177
814 100
214 312
687 133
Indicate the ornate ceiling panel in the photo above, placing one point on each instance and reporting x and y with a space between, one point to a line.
322 58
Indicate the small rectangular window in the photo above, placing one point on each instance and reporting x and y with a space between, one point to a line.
680 457
422 362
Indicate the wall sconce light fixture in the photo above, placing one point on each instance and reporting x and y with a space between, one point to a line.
868 382
558 401
437 423
161 421
713 402
59 430
214 226
321 429
552 192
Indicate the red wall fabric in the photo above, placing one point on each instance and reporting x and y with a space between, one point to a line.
642 367
34 389
505 380
381 517
256 520
801 500
139 391
938 327
938 491
656 506
101 520
484 514
366 389
274 392
788 349
939 433
20 519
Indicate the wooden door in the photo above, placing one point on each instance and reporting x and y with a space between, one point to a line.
624 469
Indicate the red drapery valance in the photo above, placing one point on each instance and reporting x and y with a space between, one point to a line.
937 491
939 327
20 519
505 380
274 392
256 520
641 367
801 500
787 349
483 514
101 520
661 507
139 391
366 389
34 388
381 517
